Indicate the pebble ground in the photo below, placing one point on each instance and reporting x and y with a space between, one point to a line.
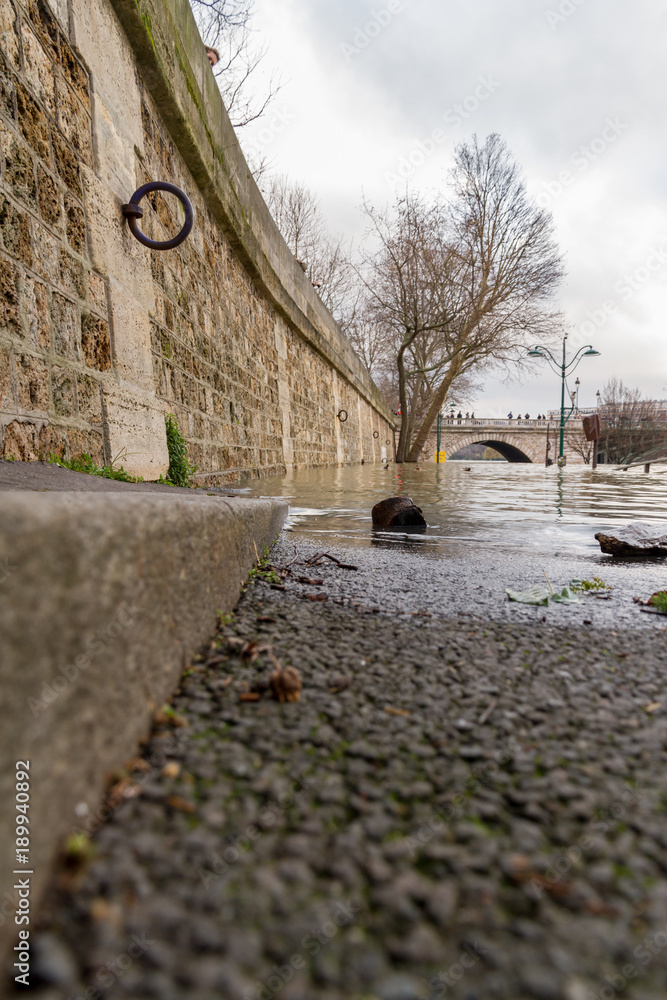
460 808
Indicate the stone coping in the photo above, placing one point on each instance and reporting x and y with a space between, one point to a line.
104 597
172 60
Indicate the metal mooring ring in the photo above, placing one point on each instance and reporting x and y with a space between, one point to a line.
341 417
133 212
376 434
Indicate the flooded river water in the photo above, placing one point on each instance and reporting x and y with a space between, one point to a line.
495 504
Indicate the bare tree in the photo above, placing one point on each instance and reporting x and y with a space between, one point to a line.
323 256
576 441
632 427
225 25
462 282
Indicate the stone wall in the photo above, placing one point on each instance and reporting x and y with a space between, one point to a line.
100 337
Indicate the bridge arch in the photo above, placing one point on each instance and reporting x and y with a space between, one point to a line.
508 451
519 447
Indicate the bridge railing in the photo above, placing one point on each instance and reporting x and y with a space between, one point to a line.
472 422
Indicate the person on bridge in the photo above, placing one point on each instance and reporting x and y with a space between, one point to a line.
510 416
527 417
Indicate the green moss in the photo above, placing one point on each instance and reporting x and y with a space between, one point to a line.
180 470
84 463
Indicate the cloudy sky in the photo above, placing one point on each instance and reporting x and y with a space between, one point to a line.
577 88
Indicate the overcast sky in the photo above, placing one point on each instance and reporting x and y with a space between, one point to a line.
577 89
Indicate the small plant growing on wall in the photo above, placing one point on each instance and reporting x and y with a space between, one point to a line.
180 469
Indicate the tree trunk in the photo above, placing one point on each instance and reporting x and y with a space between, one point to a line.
434 409
403 401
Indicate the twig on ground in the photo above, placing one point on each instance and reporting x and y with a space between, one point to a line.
487 711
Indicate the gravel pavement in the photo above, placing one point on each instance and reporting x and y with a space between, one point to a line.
468 801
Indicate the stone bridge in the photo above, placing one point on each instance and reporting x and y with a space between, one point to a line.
516 440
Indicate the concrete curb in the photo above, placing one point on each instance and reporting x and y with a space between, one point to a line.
103 598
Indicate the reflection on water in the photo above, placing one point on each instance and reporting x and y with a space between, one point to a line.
494 504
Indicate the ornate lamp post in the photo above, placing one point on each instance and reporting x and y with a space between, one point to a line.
563 368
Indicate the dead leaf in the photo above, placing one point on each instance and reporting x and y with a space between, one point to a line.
267 618
653 707
396 711
315 597
249 696
182 805
309 581
286 684
137 764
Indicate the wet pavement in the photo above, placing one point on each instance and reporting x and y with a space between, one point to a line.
468 800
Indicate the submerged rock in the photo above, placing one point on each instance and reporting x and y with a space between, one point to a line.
635 540
397 512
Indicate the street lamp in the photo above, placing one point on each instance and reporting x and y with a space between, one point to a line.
563 369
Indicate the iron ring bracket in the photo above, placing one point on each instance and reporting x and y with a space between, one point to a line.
341 417
376 434
133 213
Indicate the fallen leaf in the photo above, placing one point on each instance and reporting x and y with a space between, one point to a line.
267 618
315 597
249 696
137 764
396 711
277 586
309 581
182 805
653 707
286 684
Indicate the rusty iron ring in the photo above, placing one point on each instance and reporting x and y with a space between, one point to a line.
133 213
387 441
376 434
341 417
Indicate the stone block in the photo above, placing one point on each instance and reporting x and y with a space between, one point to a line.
20 441
74 122
52 441
89 392
9 31
72 274
131 337
9 299
135 425
85 442
15 228
67 164
32 122
113 250
19 168
116 105
63 382
32 378
65 330
39 71
46 253
7 395
49 197
95 342
75 223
